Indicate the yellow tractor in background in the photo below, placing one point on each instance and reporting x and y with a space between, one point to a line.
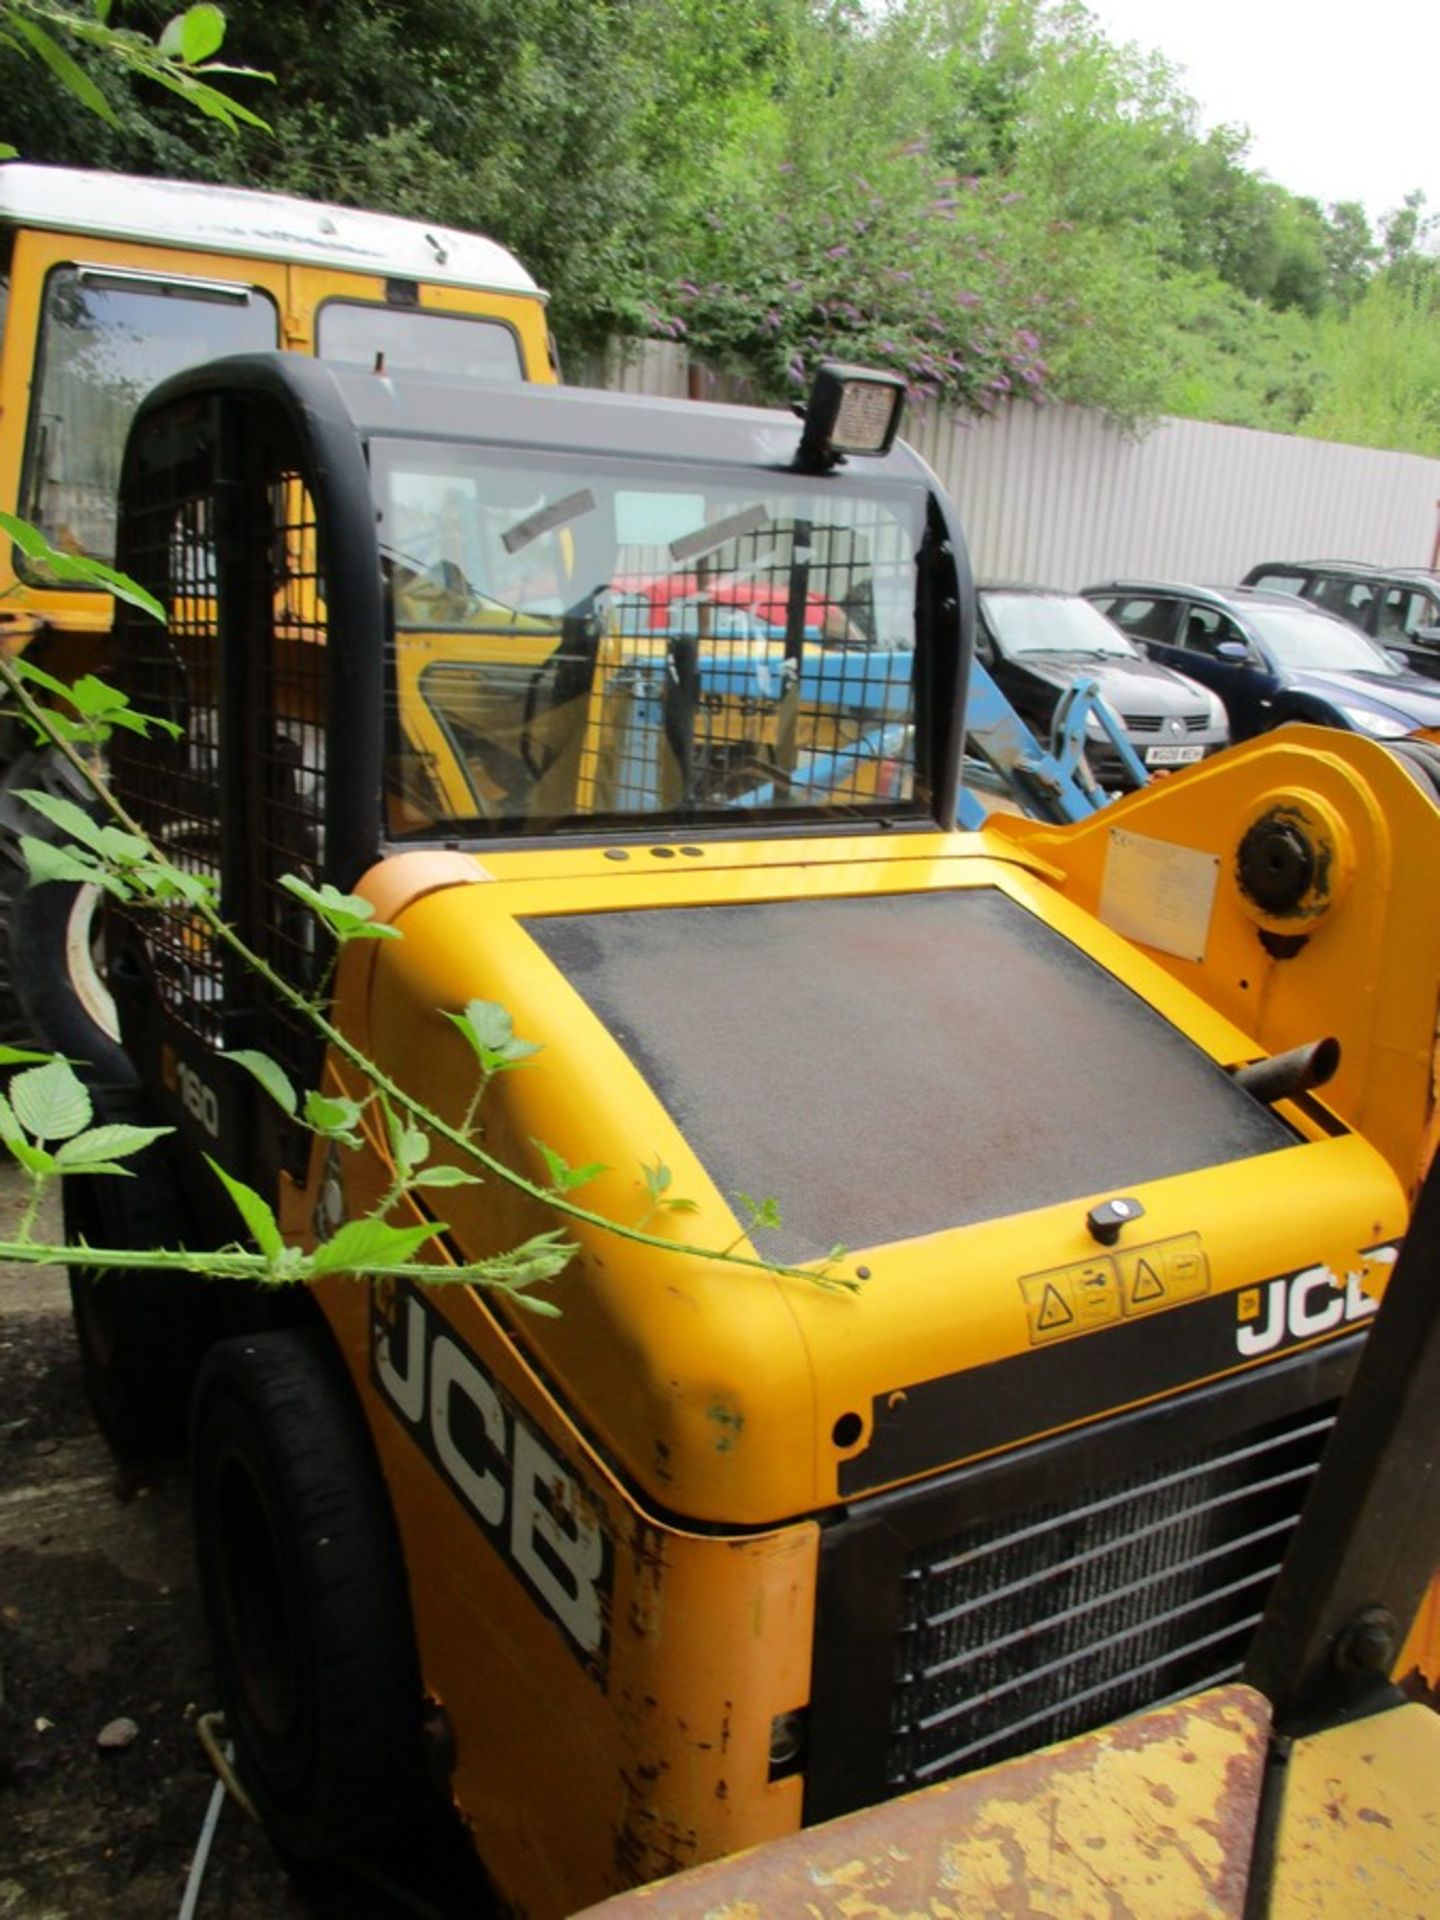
1099 1146
111 284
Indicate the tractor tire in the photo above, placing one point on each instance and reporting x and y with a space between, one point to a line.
1422 762
142 1335
305 1596
52 989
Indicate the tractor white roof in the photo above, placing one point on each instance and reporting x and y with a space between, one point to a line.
264 226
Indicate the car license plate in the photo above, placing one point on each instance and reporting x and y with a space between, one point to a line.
1173 756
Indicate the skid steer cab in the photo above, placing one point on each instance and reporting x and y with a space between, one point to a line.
643 721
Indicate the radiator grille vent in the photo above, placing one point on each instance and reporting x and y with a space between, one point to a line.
1030 1629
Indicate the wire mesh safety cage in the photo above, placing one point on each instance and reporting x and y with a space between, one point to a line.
240 669
756 678
171 784
288 720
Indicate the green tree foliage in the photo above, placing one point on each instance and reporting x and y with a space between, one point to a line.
984 194
1381 385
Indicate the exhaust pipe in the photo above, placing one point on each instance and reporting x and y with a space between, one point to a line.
1284 1075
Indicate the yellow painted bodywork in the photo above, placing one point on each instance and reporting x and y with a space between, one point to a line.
1366 972
298 291
778 1362
658 1758
690 1410
1360 1821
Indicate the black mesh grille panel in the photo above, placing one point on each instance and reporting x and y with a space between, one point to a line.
288 747
1030 1629
171 786
224 532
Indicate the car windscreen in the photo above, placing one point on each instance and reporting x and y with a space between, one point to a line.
1051 623
582 640
1317 643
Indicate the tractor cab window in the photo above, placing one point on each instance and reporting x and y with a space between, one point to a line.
456 346
107 336
577 644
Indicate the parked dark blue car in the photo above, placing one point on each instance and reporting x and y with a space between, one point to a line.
1272 658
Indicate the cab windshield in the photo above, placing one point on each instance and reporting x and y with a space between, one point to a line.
108 335
587 641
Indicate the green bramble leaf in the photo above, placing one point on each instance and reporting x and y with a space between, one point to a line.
542 1309
32 542
162 885
563 1177
761 1213
260 1221
346 915
71 76
122 849
202 29
64 814
45 861
50 1102
209 100
657 1180
409 1147
271 1075
490 1033
333 1117
21 1056
33 1159
361 1245
97 1147
445 1176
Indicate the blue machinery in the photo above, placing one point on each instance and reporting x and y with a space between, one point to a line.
1051 783
1003 757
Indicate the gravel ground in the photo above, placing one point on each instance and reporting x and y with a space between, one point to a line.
99 1627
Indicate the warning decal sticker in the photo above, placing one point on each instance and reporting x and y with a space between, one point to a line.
1115 1286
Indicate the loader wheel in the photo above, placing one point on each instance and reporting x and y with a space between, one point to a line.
1422 762
305 1595
141 1334
52 989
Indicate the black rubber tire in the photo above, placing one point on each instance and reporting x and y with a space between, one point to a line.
305 1596
141 1335
1422 761
43 929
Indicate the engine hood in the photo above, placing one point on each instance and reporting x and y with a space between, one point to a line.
894 1043
1128 686
1409 699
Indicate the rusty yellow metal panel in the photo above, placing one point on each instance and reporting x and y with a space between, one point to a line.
1360 1824
1154 1817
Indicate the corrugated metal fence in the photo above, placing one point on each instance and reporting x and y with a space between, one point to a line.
1055 495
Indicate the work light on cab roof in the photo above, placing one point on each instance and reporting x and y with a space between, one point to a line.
850 410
